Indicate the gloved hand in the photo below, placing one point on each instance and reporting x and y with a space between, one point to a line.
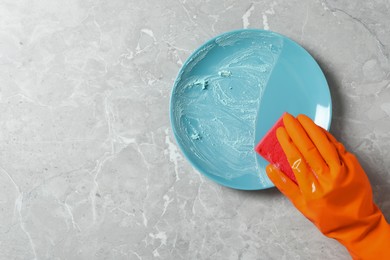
333 190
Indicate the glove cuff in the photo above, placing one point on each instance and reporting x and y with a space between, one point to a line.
373 242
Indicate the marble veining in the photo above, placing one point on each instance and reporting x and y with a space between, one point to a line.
89 168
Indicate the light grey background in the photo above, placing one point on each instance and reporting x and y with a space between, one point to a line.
89 168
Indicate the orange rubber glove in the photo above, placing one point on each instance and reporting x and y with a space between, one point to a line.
333 190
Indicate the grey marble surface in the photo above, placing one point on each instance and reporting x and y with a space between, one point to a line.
89 168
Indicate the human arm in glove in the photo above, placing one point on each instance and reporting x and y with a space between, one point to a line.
333 190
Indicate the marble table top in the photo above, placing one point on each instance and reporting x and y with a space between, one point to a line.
89 168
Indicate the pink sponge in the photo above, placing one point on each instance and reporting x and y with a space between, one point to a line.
270 149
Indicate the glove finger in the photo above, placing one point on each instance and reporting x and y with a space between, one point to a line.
339 146
304 144
307 182
321 141
282 182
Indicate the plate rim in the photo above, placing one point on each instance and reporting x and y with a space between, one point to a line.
178 78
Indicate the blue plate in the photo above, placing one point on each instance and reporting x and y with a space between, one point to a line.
231 91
